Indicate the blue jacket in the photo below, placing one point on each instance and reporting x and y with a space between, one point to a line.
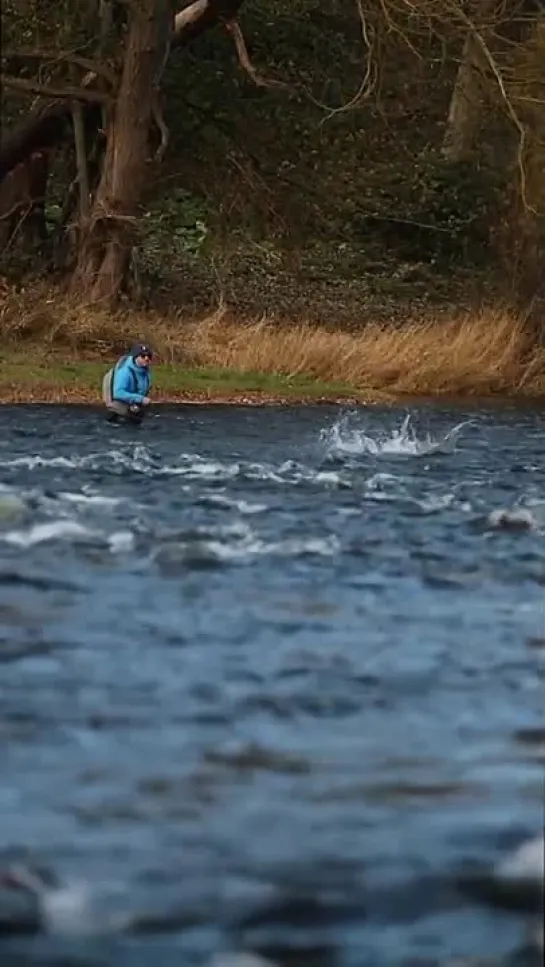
130 382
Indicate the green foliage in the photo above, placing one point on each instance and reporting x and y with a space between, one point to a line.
175 229
461 198
439 211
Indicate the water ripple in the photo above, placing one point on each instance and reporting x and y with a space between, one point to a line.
270 686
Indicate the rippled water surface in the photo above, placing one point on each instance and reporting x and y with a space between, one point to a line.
270 678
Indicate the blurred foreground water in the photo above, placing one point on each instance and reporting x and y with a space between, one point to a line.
271 680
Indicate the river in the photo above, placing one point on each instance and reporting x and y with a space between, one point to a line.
271 679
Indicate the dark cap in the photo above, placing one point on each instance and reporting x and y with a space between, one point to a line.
141 349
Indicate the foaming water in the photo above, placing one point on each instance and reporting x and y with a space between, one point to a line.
271 682
187 466
344 438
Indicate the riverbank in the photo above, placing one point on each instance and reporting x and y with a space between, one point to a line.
58 379
55 351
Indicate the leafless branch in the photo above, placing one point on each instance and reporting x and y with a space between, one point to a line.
393 27
189 15
512 115
233 27
56 93
369 80
199 16
27 205
15 231
478 34
157 114
57 57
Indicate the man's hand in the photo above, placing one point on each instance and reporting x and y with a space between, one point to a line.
145 401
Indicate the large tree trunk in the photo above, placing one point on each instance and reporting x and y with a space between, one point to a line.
52 125
499 25
42 130
108 237
466 105
26 155
48 128
526 251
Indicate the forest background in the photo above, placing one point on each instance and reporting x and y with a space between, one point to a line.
349 191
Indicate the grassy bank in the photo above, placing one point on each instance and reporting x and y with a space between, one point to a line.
60 379
54 350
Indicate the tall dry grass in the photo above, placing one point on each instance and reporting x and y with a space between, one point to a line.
489 352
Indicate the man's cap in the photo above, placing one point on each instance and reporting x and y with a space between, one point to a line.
141 349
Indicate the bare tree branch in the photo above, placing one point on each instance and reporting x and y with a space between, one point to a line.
190 15
55 57
512 115
478 35
157 115
57 93
199 16
232 26
369 79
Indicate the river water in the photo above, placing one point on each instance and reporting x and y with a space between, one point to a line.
270 680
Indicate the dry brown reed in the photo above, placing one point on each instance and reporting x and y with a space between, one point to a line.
488 352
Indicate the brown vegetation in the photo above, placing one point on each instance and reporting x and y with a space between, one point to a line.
480 354
485 353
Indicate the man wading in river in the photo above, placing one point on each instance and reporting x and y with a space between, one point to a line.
125 387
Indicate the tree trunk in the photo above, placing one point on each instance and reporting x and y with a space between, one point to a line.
502 24
527 229
22 203
51 126
42 130
80 149
466 106
107 240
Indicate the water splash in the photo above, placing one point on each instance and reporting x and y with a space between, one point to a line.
342 440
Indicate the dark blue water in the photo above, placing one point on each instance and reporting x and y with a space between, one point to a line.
270 679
